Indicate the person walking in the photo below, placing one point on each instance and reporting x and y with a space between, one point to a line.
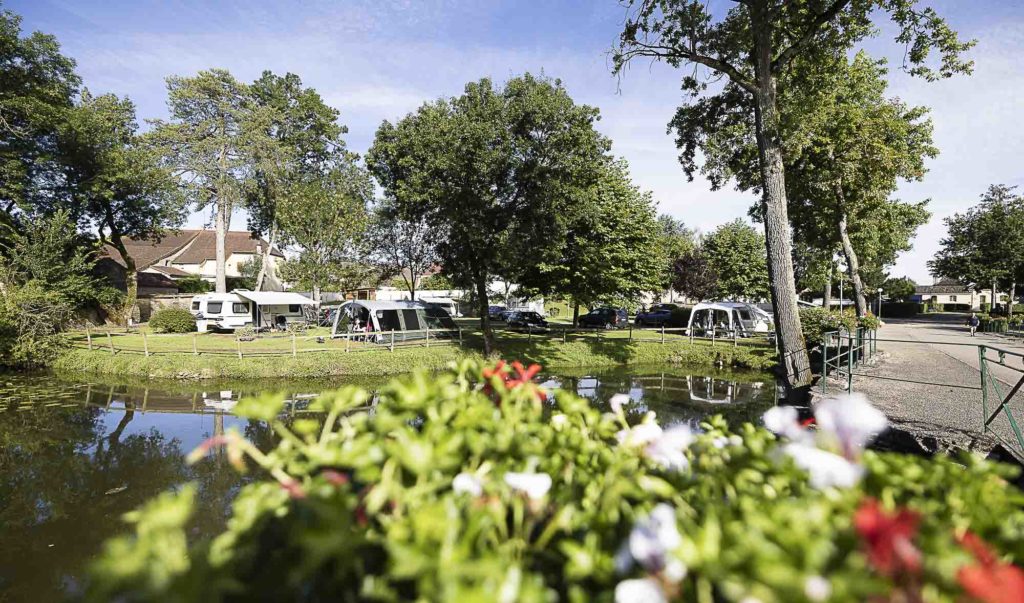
973 323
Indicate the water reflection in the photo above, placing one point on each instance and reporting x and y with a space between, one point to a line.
74 457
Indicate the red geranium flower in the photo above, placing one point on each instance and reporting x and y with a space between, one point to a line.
519 376
989 581
888 538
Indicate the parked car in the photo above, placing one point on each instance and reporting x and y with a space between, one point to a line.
608 318
526 320
494 312
663 315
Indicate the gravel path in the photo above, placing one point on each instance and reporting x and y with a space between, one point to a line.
931 390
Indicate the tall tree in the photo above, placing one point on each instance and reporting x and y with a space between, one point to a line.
37 86
497 172
983 245
211 143
674 241
403 243
326 216
736 252
611 249
695 276
117 186
751 45
304 140
899 288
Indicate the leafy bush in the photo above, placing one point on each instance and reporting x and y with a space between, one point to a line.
818 321
476 485
900 309
172 320
986 308
869 322
32 319
680 317
193 284
994 324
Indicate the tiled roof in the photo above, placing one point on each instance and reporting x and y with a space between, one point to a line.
943 289
169 271
204 247
146 253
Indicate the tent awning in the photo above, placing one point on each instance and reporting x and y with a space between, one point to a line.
275 298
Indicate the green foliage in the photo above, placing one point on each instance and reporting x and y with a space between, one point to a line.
172 320
818 321
869 322
674 241
735 251
50 252
32 321
436 282
464 484
498 172
694 276
193 283
899 289
983 245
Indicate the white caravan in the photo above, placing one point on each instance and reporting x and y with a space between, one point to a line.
239 309
725 319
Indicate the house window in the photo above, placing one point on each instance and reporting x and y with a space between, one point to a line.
293 308
240 308
982 299
214 307
952 299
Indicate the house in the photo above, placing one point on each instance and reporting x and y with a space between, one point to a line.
184 253
949 292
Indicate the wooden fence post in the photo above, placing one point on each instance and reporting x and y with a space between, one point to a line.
239 342
662 333
88 336
460 336
392 340
195 345
563 335
630 332
428 336
294 351
110 342
145 344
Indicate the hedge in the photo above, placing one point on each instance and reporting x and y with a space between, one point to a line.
172 320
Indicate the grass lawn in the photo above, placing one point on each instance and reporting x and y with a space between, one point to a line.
213 355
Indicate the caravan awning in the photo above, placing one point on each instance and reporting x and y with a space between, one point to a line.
275 298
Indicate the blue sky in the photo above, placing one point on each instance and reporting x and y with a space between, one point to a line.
379 59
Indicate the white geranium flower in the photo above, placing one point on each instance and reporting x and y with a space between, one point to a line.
720 442
667 449
618 402
559 421
641 590
784 421
817 588
852 420
654 537
535 485
467 483
640 435
825 468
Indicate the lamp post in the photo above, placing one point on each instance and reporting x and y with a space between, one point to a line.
879 303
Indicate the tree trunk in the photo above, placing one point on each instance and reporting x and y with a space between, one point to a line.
316 293
265 260
575 313
826 298
223 222
852 264
793 359
995 298
485 320
1009 304
131 280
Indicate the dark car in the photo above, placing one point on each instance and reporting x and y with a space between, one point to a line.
526 321
662 315
608 318
494 312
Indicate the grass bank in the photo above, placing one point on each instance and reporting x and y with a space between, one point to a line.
378 360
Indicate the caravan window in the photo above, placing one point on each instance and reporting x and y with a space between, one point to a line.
744 314
388 320
214 307
293 308
195 306
412 322
240 308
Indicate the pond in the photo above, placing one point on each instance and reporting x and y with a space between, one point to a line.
75 456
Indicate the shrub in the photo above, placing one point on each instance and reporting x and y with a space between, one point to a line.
468 483
818 321
869 322
193 284
986 308
994 324
172 320
680 317
32 319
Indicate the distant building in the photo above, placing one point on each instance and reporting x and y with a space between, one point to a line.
950 292
184 253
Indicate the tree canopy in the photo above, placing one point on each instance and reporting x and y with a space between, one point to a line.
496 171
736 252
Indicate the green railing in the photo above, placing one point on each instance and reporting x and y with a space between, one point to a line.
842 352
860 345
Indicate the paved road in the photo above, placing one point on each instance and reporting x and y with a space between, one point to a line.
929 384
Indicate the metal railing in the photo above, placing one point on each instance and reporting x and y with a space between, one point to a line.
847 358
